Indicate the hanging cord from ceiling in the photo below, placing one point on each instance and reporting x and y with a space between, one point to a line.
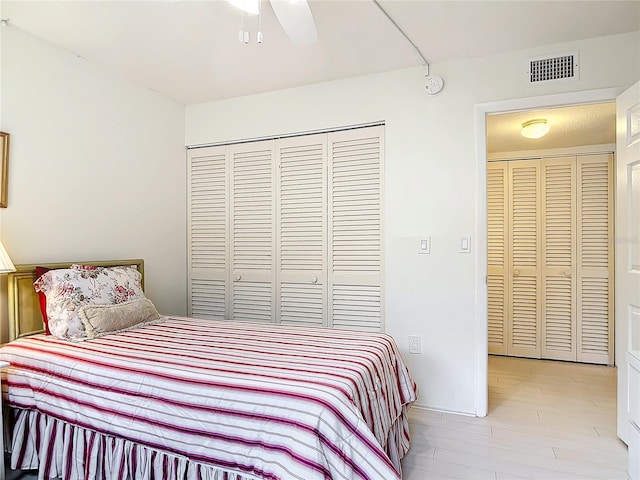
415 47
434 84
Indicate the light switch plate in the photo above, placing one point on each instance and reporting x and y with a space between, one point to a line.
465 244
424 245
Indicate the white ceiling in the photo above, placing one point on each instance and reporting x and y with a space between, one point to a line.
189 50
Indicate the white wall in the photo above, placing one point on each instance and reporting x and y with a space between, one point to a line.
97 167
430 182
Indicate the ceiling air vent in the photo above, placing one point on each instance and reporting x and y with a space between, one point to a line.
553 68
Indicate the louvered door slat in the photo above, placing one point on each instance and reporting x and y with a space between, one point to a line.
208 299
356 307
524 258
595 306
595 214
594 257
252 210
497 244
524 181
252 301
496 315
302 304
524 318
208 232
301 227
558 318
252 230
558 269
355 228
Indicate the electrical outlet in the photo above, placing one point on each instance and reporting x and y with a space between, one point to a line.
415 344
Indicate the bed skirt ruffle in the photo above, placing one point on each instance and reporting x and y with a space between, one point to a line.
398 440
59 450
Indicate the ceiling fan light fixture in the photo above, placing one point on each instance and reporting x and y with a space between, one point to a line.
535 128
297 21
252 7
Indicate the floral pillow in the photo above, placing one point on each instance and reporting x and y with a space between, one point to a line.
68 289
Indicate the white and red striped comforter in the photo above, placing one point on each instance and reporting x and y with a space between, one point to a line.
251 401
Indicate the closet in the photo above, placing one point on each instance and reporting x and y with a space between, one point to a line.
288 230
550 258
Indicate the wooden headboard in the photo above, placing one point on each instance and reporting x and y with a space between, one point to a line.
25 317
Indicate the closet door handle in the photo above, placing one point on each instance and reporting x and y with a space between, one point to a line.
516 273
238 278
567 273
314 280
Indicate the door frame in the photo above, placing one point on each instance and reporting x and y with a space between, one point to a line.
481 111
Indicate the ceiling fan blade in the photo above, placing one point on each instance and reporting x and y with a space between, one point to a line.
296 19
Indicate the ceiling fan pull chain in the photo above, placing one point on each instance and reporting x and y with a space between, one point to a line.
243 34
259 36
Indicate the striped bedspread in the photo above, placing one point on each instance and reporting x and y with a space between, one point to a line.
247 401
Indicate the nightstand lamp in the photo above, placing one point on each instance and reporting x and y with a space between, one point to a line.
6 265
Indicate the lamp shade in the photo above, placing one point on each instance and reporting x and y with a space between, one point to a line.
535 128
6 265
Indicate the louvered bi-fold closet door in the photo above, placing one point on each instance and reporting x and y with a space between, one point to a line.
355 269
595 259
497 242
302 230
252 220
524 259
208 234
558 334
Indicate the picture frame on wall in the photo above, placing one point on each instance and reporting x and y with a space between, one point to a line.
4 168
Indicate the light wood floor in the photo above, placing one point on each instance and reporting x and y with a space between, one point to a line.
547 420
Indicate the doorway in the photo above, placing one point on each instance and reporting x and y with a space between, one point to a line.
481 111
550 233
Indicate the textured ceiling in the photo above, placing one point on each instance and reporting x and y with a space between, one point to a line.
569 127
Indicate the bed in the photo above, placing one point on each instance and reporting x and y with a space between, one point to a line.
186 398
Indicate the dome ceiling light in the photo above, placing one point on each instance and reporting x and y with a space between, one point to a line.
535 128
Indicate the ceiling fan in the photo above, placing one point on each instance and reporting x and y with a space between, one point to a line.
297 21
294 16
